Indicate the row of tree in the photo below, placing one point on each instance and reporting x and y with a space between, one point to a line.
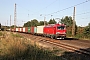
35 22
67 21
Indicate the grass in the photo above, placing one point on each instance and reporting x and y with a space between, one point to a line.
15 47
16 35
1 34
82 37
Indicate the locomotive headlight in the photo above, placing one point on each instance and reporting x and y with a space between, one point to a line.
60 32
57 32
64 32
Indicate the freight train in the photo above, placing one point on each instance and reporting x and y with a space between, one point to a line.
54 31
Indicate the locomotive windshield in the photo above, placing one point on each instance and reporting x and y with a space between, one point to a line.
61 27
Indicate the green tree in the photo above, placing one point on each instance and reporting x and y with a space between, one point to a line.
41 23
87 31
34 22
28 24
52 21
67 21
13 26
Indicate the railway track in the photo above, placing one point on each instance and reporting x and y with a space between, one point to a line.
68 47
78 50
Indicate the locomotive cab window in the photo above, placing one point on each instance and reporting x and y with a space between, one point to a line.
61 27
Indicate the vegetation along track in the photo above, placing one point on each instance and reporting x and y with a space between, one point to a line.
58 44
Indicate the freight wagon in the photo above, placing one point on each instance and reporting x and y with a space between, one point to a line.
20 29
25 29
39 30
17 29
29 30
32 30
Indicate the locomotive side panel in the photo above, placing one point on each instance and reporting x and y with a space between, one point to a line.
49 30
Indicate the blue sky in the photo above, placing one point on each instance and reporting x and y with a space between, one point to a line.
37 7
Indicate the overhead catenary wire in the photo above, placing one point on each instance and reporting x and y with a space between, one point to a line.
63 9
83 13
48 5
59 10
79 14
68 7
85 18
39 10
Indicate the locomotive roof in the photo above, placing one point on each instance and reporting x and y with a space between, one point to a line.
54 25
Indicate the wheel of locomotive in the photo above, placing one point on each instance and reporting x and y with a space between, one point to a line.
44 35
52 36
63 38
56 37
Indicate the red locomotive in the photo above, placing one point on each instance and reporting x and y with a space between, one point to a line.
55 31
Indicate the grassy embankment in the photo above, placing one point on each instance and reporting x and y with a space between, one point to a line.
16 47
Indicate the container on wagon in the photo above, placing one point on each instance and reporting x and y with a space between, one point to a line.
40 29
16 29
12 29
25 29
20 29
35 29
32 30
29 30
